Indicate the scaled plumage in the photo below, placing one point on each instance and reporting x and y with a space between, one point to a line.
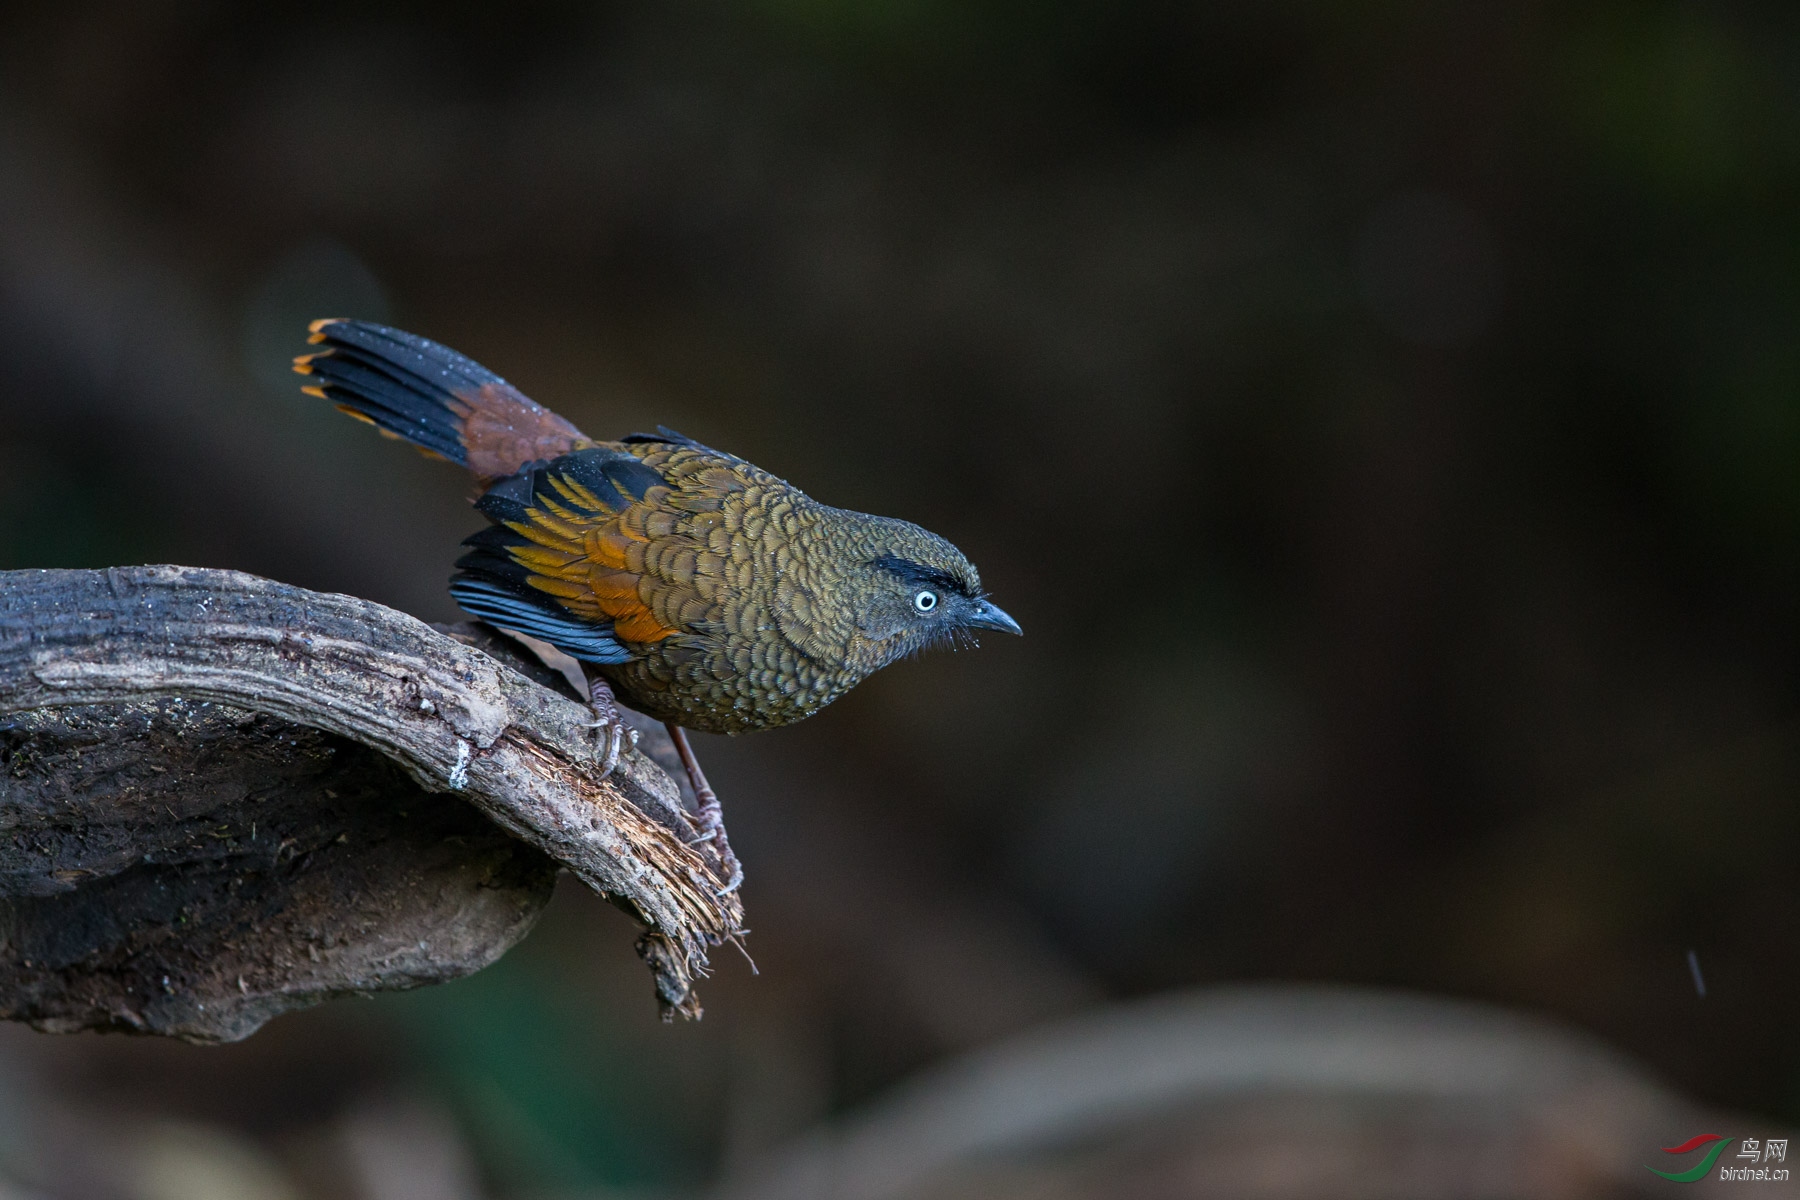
707 592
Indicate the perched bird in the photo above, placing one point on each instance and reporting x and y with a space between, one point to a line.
696 588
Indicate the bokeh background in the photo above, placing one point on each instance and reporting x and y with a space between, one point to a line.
1384 419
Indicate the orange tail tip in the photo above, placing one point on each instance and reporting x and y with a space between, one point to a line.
317 328
315 391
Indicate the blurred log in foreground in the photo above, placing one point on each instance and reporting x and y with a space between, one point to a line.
224 798
1264 1093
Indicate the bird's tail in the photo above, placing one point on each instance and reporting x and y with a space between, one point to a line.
447 405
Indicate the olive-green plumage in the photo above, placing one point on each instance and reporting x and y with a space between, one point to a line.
706 591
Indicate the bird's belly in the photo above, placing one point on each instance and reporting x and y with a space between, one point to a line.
708 694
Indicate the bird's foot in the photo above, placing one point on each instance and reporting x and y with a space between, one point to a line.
710 817
712 829
613 731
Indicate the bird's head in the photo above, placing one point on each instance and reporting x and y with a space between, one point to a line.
918 591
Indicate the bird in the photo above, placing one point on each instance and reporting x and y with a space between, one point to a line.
690 585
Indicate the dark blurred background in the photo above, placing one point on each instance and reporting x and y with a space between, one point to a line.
1383 419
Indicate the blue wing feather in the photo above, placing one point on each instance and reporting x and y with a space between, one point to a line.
498 605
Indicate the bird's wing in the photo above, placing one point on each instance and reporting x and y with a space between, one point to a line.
600 554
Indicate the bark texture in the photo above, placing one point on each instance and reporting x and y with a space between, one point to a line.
224 798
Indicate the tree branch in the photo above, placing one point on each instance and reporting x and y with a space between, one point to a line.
238 829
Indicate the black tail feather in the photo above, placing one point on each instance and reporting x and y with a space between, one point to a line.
400 382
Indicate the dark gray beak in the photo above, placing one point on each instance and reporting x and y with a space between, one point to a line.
983 615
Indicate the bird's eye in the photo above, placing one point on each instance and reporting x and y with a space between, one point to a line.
925 601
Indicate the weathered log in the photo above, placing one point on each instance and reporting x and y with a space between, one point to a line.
227 797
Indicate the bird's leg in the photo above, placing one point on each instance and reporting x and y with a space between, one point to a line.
712 818
612 727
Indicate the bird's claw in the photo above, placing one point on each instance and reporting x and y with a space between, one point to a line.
728 860
712 829
614 733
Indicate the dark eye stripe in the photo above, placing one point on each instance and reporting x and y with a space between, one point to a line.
919 574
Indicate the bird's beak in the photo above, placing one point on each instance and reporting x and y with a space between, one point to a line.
986 616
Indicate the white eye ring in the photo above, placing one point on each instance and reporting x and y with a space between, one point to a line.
925 601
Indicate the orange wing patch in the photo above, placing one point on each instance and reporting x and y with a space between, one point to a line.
589 556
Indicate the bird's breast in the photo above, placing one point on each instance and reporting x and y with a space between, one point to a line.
772 637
